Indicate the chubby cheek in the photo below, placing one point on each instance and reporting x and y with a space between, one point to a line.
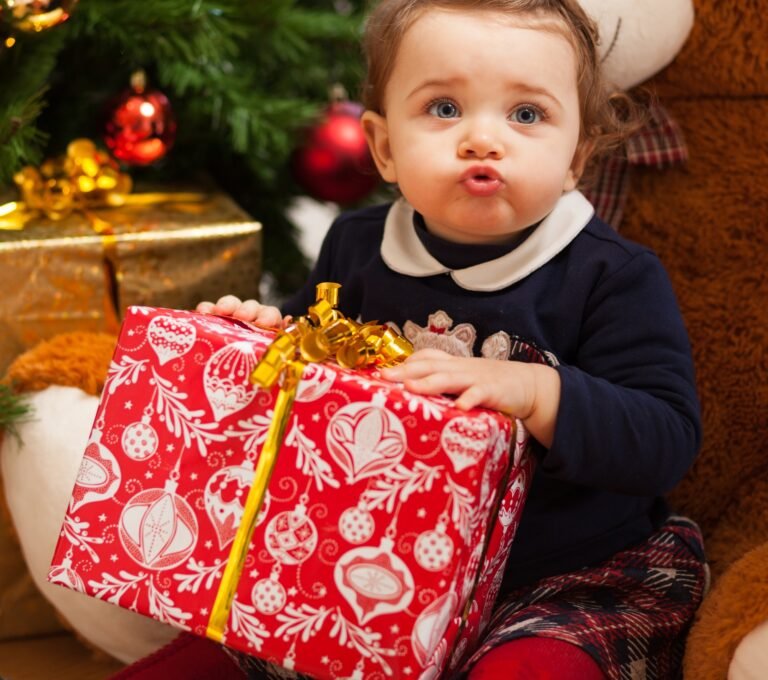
418 166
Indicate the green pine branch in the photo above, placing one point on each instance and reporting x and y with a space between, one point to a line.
244 78
14 409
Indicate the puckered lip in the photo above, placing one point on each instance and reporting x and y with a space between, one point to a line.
480 172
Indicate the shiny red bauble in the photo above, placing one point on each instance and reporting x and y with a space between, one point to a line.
334 163
140 127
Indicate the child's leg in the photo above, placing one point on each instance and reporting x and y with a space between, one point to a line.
536 658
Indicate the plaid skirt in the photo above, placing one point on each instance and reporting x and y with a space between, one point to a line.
631 613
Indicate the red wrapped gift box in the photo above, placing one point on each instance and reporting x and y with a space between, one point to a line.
383 534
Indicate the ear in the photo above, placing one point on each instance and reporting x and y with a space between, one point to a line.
580 157
377 136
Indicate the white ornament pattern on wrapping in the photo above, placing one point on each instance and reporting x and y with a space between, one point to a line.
365 439
305 621
465 439
180 421
127 372
139 440
268 596
433 549
170 337
64 575
243 622
436 662
430 407
356 524
291 536
398 484
227 378
309 459
161 607
315 382
158 528
98 477
430 626
374 581
224 498
462 503
200 575
252 432
77 533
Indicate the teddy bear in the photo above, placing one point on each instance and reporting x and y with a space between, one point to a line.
707 221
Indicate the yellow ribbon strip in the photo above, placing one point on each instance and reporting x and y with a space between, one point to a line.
324 333
82 179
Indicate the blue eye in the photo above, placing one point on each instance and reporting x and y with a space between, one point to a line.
526 115
443 108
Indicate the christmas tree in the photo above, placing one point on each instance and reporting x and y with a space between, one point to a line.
244 77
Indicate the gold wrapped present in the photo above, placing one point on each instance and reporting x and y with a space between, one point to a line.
79 271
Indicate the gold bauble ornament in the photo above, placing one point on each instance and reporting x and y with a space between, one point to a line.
34 16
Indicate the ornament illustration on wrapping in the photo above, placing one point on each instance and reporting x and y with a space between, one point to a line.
378 545
322 334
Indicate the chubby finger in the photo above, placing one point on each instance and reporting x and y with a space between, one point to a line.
226 305
430 353
269 317
437 382
420 365
247 310
474 395
204 307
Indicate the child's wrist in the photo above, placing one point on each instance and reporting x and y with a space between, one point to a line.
545 403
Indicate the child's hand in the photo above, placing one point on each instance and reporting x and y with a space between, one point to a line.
245 310
530 392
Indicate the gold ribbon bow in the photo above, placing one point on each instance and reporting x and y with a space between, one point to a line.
322 334
82 179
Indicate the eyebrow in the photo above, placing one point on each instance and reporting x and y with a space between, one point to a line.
436 82
522 89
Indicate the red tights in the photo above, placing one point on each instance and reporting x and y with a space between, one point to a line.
536 658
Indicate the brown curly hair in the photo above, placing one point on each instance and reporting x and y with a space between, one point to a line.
607 117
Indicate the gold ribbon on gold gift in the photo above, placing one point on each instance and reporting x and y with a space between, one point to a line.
82 179
324 333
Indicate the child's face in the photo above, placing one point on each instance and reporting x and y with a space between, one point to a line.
481 124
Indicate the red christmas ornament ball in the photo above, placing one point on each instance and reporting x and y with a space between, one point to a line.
334 163
140 127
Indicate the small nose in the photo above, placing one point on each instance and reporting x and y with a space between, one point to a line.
481 141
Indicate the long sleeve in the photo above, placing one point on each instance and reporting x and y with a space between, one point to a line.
628 420
322 271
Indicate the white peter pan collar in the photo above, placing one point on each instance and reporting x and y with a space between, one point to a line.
403 251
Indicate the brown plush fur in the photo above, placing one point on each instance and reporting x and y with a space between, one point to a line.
72 359
709 224
737 604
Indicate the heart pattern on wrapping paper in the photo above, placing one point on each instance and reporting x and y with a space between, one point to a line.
365 439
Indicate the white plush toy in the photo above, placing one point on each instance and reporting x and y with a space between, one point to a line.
39 475
638 39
